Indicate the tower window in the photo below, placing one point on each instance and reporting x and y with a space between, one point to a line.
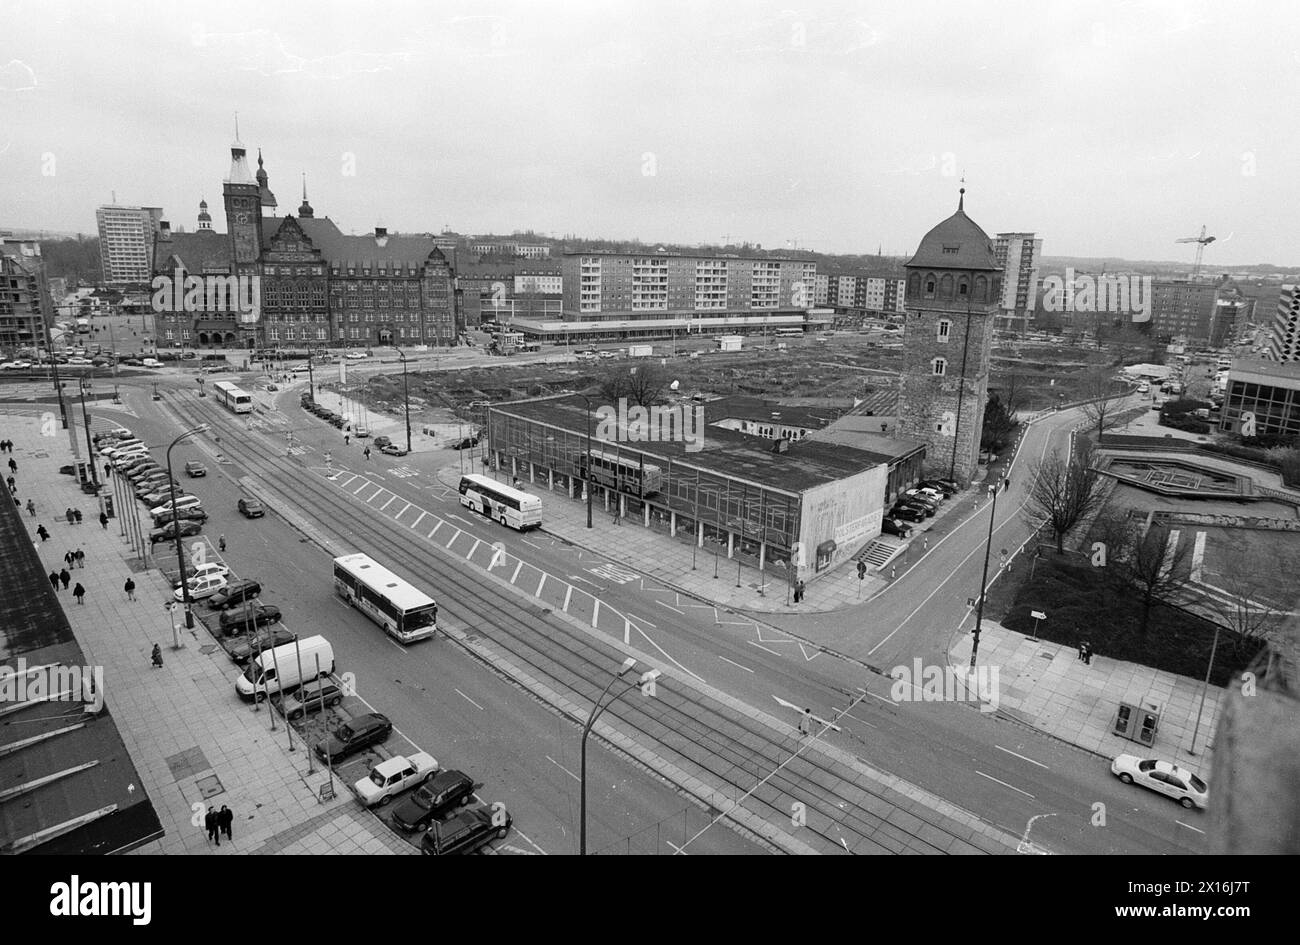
943 331
939 366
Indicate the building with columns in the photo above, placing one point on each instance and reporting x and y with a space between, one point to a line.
954 292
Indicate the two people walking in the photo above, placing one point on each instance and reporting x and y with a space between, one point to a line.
1085 652
218 822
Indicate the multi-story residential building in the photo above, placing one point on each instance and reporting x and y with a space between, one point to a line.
25 310
1018 254
1284 332
526 250
1231 314
539 282
1182 309
1262 399
126 236
866 294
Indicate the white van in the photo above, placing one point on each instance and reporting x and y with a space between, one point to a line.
151 362
277 669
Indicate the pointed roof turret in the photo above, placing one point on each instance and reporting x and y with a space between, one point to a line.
268 198
305 209
239 170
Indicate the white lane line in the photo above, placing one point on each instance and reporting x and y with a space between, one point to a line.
519 566
1005 785
477 542
568 592
530 842
666 656
676 849
404 511
735 664
470 701
1021 757
417 522
574 577
458 518
641 620
374 494
627 632
881 698
850 715
670 607
453 538
435 529
1189 826
763 648
564 769
390 502
364 483
540 584
531 544
595 610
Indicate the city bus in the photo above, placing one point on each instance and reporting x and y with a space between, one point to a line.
785 332
406 614
232 398
623 474
519 510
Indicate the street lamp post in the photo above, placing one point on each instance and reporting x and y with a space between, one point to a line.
176 527
406 396
90 451
597 710
984 579
586 474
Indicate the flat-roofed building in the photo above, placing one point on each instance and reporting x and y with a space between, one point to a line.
1262 399
1284 331
126 236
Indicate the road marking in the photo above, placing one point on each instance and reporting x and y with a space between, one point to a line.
849 715
568 592
419 520
540 584
735 664
453 538
1005 785
881 698
530 544
676 849
404 511
564 769
435 529
665 655
1021 757
470 701
530 842
1189 827
519 566
374 494
364 483
642 620
574 577
390 502
670 607
459 519
763 648
474 548
595 611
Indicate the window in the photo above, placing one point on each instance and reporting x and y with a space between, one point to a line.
940 366
944 330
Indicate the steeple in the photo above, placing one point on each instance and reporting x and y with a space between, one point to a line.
961 198
268 198
205 218
305 210
239 172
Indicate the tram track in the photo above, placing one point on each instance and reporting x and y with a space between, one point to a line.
717 744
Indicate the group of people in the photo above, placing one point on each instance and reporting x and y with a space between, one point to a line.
7 446
798 591
64 578
218 822
72 515
1085 652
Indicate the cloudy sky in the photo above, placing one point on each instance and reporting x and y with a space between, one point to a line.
1110 129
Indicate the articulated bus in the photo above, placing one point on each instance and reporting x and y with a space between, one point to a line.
623 474
406 614
232 398
519 510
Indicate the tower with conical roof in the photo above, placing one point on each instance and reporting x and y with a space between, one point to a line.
954 285
205 218
304 209
263 190
243 199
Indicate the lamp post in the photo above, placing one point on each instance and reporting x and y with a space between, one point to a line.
1205 688
84 384
597 710
176 526
979 601
406 396
586 473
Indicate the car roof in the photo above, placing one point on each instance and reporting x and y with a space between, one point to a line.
391 766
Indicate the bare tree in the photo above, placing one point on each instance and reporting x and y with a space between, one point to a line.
1241 610
1013 392
1063 491
1146 561
1103 399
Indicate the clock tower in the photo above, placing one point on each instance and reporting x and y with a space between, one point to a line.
243 199
954 285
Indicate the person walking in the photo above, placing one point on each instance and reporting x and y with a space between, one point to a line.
65 578
210 823
1087 653
79 556
103 520
54 580
13 486
1082 646
40 530
798 592
129 587
108 470
13 466
226 820
221 543
805 722
67 513
31 508
67 558
79 593
367 452
346 439
76 513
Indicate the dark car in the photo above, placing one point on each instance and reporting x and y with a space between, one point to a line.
908 513
236 593
354 735
168 532
920 497
194 468
68 470
251 508
381 441
133 362
246 647
465 443
240 618
185 515
437 796
338 421
895 526
946 486
929 506
309 697
465 832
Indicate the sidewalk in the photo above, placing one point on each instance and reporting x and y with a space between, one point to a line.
439 435
1045 685
191 738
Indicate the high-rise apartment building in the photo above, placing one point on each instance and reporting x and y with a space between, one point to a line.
867 293
1182 309
24 303
126 237
1018 254
1284 333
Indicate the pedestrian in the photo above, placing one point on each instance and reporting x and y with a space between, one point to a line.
805 722
210 823
12 485
103 520
68 557
129 587
80 557
1087 653
76 513
79 593
799 590
108 470
54 580
67 513
31 508
221 542
13 466
346 439
226 818
367 452
40 530
1082 646
65 578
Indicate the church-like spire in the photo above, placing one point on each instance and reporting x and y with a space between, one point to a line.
305 210
268 198
961 198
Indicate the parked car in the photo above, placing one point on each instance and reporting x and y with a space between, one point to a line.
203 570
465 443
69 470
154 494
392 449
946 486
1163 777
921 496
338 421
896 526
309 697
194 468
251 508
352 736
908 513
168 532
248 646
381 441
360 431
239 617
205 585
236 593
465 832
133 362
185 515
183 501
356 356
391 777
938 495
925 505
438 796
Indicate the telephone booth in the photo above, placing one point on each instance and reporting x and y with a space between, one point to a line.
1138 723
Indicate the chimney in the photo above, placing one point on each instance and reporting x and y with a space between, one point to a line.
164 230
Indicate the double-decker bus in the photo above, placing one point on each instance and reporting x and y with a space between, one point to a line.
232 398
509 506
623 474
405 613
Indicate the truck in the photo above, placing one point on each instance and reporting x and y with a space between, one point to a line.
640 351
277 670
391 777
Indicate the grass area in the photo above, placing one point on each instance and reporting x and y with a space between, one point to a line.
1079 607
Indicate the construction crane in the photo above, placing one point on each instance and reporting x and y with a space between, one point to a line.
1201 242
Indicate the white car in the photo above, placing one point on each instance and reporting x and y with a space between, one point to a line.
205 585
356 356
205 570
389 778
184 501
1164 777
80 362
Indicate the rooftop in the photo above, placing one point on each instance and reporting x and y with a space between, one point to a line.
956 243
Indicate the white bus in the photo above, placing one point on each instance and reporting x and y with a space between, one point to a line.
406 614
232 398
519 510
785 332
623 474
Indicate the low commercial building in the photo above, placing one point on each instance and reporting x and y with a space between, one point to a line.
1262 398
797 507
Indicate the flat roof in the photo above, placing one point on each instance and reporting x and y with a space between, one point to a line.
805 465
1264 367
863 432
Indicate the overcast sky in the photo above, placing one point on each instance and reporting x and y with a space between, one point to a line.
1110 129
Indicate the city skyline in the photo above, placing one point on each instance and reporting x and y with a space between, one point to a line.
829 129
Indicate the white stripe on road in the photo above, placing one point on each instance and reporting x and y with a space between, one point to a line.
1021 757
540 584
453 538
1005 785
1189 826
477 542
469 700
763 648
404 511
564 769
417 522
642 620
568 592
519 566
670 607
530 544
435 528
391 501
735 664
